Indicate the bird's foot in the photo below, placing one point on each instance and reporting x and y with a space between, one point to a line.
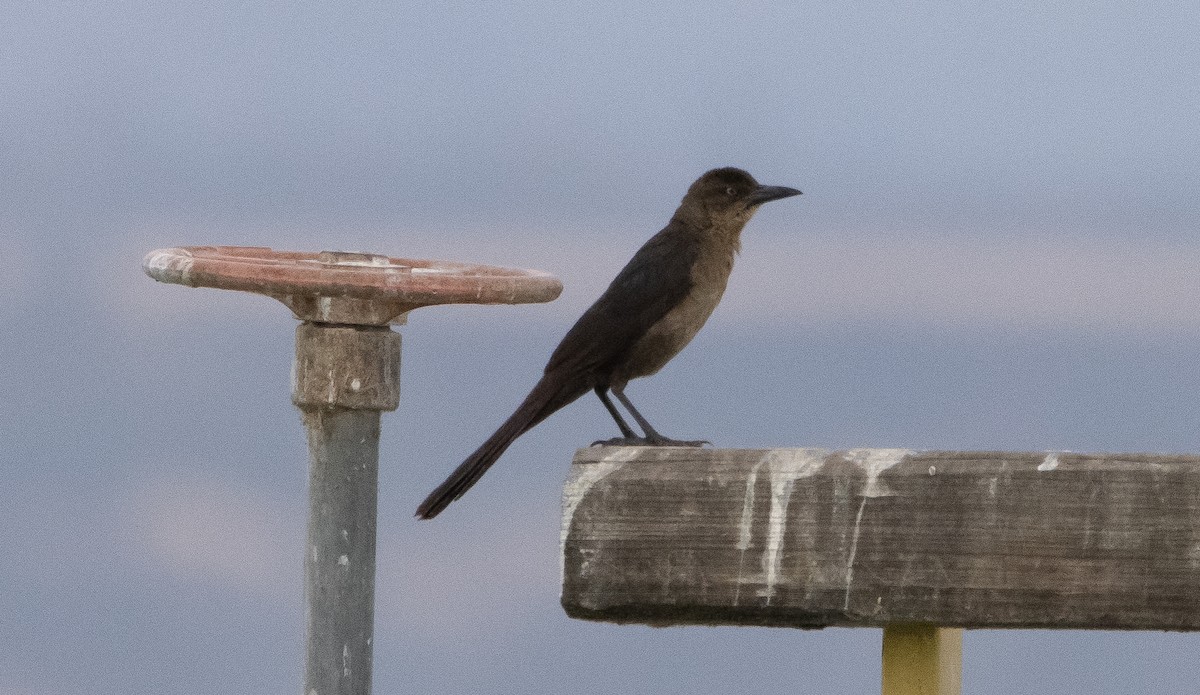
621 441
656 440
660 440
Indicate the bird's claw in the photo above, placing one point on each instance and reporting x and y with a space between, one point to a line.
620 441
667 441
651 441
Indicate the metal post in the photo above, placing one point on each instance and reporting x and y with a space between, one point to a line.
344 376
347 372
922 660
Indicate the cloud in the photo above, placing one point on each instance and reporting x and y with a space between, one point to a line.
1023 283
1010 284
22 690
17 277
426 582
1020 283
221 532
211 530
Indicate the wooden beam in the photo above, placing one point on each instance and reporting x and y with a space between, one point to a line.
922 660
875 537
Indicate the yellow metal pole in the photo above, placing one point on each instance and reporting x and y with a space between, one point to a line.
922 660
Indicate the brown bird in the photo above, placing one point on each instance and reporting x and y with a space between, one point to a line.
653 308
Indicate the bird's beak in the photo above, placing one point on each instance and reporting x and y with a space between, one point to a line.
765 194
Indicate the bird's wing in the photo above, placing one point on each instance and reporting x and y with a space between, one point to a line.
655 280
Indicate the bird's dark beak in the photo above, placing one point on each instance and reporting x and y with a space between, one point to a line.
765 194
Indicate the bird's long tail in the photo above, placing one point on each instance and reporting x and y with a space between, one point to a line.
549 395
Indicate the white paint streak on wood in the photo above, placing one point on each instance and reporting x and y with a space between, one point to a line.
748 506
874 462
580 480
853 551
746 524
1050 463
785 466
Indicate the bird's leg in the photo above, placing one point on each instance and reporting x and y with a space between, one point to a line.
652 438
626 430
628 436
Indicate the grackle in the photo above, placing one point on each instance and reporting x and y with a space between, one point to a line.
653 308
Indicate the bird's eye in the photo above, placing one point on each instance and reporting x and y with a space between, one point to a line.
731 191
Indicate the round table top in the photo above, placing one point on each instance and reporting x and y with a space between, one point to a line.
348 287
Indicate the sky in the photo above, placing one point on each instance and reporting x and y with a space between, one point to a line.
996 249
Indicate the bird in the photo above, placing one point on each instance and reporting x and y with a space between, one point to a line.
651 311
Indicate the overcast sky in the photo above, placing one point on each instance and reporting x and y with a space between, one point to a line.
997 248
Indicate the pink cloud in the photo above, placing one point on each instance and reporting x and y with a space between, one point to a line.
215 531
1022 282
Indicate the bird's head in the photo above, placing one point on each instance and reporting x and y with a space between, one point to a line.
728 197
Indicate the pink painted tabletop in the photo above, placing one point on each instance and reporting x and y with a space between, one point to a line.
305 280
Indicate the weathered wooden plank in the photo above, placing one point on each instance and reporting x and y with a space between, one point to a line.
871 537
922 660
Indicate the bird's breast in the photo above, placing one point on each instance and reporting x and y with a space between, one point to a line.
677 327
